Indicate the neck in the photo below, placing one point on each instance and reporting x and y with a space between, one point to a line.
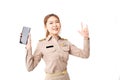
55 36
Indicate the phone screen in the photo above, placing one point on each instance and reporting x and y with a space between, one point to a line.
24 35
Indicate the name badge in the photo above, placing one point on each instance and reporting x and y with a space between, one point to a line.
49 46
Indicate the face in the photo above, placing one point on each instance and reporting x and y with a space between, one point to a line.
53 25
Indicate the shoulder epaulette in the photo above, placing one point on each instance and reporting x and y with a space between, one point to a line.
63 39
42 39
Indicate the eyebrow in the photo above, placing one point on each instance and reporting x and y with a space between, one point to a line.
55 21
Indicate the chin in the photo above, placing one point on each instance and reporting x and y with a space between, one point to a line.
56 32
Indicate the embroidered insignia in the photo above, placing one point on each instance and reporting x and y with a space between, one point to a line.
63 44
42 39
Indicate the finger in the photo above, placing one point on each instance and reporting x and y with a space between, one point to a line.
29 36
80 32
20 34
87 28
81 26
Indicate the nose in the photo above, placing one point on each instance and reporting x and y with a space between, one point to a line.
55 25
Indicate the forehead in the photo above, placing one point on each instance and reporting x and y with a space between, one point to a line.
52 18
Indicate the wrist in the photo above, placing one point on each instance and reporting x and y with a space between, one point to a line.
28 47
86 38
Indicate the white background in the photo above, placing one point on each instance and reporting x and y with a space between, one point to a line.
102 17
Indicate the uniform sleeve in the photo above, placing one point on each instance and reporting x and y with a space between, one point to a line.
84 53
33 60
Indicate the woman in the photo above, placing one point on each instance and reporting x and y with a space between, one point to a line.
55 50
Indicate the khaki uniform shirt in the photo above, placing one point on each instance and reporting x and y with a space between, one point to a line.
55 52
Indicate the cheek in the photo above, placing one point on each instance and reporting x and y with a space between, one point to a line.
49 29
59 26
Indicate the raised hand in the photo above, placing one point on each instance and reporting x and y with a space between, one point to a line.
84 31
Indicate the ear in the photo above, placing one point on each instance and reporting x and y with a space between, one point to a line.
45 27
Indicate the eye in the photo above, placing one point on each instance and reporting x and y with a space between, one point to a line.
57 21
50 23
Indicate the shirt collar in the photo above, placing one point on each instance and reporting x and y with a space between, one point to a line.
50 37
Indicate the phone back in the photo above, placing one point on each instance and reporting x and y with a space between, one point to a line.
25 33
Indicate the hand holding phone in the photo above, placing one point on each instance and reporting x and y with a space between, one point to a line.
24 35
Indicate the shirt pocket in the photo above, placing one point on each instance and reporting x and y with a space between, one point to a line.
65 48
64 53
50 50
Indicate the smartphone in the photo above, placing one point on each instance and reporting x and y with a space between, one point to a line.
24 35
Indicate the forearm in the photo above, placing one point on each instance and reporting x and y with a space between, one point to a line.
86 47
29 59
32 59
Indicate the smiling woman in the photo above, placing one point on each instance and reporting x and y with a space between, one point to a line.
55 50
52 24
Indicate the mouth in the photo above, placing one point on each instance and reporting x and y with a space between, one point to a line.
55 29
